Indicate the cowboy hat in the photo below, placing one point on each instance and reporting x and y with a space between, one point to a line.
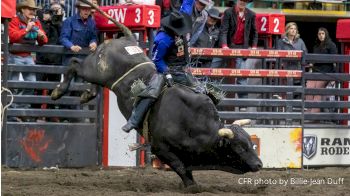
81 4
214 13
26 3
178 22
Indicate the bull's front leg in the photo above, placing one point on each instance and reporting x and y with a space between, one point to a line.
176 164
62 88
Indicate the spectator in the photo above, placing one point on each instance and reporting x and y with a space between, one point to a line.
323 45
238 30
25 29
168 6
79 31
93 11
51 20
291 41
199 15
206 36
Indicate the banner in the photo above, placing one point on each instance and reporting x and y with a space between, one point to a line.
326 147
8 8
277 147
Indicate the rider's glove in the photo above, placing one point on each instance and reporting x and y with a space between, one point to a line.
169 80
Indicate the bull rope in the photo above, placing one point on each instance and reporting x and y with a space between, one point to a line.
127 73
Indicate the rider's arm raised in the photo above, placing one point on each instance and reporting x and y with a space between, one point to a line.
187 6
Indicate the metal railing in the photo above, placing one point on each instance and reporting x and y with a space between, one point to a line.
59 120
273 100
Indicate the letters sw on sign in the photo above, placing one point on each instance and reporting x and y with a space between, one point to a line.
132 16
270 23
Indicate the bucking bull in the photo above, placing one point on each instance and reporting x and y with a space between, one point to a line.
185 129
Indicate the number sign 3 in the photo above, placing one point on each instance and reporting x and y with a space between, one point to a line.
131 16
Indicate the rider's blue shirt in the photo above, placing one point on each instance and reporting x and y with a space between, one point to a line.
163 41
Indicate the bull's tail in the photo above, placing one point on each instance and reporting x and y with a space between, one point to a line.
122 27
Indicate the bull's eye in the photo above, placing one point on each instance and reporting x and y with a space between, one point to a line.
255 147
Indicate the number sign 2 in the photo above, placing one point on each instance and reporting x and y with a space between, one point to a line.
270 23
132 16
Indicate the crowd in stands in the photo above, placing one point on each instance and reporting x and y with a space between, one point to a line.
235 28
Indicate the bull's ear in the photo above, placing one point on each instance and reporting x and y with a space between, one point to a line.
225 132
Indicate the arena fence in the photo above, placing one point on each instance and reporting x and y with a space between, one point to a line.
61 132
279 100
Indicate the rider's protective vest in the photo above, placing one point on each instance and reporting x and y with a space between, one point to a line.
178 53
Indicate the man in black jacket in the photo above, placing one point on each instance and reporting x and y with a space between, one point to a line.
51 20
238 30
207 35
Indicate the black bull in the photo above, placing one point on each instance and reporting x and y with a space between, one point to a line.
183 125
185 129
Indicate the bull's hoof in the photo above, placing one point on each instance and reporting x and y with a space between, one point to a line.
56 94
194 188
86 97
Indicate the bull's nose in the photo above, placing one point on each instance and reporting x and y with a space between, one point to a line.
257 167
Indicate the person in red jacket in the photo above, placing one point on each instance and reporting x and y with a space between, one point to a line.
238 30
24 28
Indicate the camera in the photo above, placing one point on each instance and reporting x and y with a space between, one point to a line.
55 15
51 11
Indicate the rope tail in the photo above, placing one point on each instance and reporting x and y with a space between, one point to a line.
122 27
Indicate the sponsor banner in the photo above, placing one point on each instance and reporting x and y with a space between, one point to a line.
257 73
326 147
220 52
8 9
277 147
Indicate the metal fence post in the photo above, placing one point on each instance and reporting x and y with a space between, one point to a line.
4 75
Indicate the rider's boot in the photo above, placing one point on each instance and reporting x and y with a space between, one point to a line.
138 114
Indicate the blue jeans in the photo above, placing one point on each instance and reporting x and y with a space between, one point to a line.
241 64
218 62
19 60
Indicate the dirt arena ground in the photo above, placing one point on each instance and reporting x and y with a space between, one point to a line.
149 181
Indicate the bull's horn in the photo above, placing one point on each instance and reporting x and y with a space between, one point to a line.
242 122
224 132
122 27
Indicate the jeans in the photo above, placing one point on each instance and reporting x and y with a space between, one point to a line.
18 60
241 64
218 62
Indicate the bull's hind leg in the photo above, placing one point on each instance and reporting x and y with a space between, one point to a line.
175 163
62 88
89 94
